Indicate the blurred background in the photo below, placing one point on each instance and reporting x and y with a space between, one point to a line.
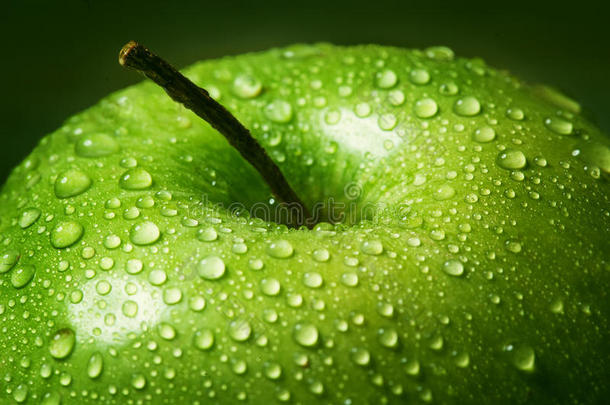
60 57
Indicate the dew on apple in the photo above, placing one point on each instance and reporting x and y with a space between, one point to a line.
388 337
145 202
484 134
136 179
66 234
440 53
313 279
332 116
280 249
144 233
522 356
207 234
386 79
247 86
306 334
76 296
255 264
239 248
444 192
96 145
128 162
157 277
270 286
559 125
203 339
453 267
112 242
240 330
51 398
166 331
20 394
294 300
211 268
95 365
384 309
71 183
372 247
103 287
396 97
172 296
515 114
62 343
279 111
8 260
448 89
513 245
425 108
196 303
419 76
467 106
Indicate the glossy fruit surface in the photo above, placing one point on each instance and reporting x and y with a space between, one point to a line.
471 264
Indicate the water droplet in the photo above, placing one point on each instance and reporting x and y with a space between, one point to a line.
211 268
462 360
513 246
280 249
515 114
20 394
312 280
208 234
559 125
388 338
71 183
306 334
444 192
412 367
134 266
8 260
279 111
371 247
332 116
167 331
484 135
246 86
96 145
349 279
387 122
203 339
51 398
28 217
130 308
426 108
419 76
321 255
172 296
272 371
22 275
66 234
522 356
361 357
135 179
144 233
240 330
386 79
363 110
95 365
138 381
270 286
396 97
62 343
440 53
453 267
448 89
239 367
157 277
511 159
467 106
103 287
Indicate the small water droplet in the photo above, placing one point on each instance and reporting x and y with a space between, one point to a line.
138 381
511 159
361 357
279 111
387 122
306 334
270 286
425 108
22 275
240 330
130 309
321 255
313 280
280 249
386 79
453 267
29 217
559 125
363 110
388 338
208 234
96 145
484 135
203 339
419 76
246 86
95 365
135 179
372 247
515 114
439 53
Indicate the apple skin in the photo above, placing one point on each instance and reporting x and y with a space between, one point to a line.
485 280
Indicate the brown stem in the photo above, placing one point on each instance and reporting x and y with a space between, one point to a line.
196 99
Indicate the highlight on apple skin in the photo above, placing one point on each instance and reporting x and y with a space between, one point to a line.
460 253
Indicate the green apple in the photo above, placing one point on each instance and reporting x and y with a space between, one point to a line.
469 263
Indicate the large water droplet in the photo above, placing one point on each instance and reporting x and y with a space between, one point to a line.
372 247
22 275
522 356
95 365
28 217
279 111
246 86
203 339
306 334
419 76
8 260
386 79
270 286
211 268
425 108
144 233
312 280
71 183
511 159
453 267
484 135
240 330
280 249
62 343
559 125
388 338
96 145
467 106
135 179
208 234
361 357
66 234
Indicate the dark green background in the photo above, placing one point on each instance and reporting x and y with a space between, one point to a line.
59 57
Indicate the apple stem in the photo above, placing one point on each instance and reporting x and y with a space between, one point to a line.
196 99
